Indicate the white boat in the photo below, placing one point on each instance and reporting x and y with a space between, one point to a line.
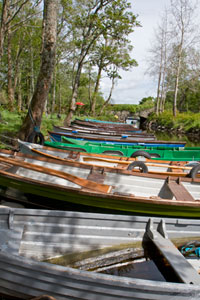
28 238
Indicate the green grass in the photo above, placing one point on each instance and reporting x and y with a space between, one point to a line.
11 123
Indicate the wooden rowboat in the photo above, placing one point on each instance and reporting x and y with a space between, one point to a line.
127 151
57 184
167 168
29 236
107 126
103 134
57 137
111 131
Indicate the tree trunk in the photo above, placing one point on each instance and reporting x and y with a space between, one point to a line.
34 116
158 94
19 93
4 15
53 96
72 107
31 87
109 97
10 71
94 97
177 82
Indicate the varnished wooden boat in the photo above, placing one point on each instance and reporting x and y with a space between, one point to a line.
167 168
89 132
59 184
107 126
28 237
56 135
111 131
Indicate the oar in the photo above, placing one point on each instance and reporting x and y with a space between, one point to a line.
49 155
79 181
128 162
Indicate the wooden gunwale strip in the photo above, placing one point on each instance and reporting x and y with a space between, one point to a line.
146 163
130 198
110 169
75 179
122 158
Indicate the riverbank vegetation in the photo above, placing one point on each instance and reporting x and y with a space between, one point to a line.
182 123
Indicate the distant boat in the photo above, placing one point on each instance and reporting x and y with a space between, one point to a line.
155 153
56 184
108 162
111 130
106 126
30 240
146 141
98 133
101 121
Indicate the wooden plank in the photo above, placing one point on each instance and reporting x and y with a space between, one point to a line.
109 259
183 269
97 175
179 191
128 162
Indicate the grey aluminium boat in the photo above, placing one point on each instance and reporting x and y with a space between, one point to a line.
27 236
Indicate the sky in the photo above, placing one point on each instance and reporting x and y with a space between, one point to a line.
136 83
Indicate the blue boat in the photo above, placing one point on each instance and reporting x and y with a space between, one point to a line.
100 121
57 137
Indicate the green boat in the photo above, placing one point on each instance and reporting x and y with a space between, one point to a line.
156 153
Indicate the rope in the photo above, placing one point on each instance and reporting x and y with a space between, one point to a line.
4 139
31 115
36 128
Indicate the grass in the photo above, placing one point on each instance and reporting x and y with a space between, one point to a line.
11 123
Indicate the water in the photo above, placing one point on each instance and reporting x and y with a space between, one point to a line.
191 141
142 269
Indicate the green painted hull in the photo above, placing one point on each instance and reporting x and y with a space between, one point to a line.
58 197
175 154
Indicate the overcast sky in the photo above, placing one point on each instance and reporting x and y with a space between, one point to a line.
135 84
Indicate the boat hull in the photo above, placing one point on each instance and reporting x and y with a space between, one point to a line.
58 198
57 137
47 233
170 155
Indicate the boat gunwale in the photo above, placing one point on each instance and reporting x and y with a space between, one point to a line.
129 198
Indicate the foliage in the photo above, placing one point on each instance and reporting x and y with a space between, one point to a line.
185 121
133 108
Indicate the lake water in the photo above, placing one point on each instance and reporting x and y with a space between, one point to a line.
190 141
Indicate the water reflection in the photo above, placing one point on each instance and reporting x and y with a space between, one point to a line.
191 141
143 269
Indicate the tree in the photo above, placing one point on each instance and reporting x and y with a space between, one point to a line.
109 56
9 11
184 29
159 53
88 21
175 38
34 115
